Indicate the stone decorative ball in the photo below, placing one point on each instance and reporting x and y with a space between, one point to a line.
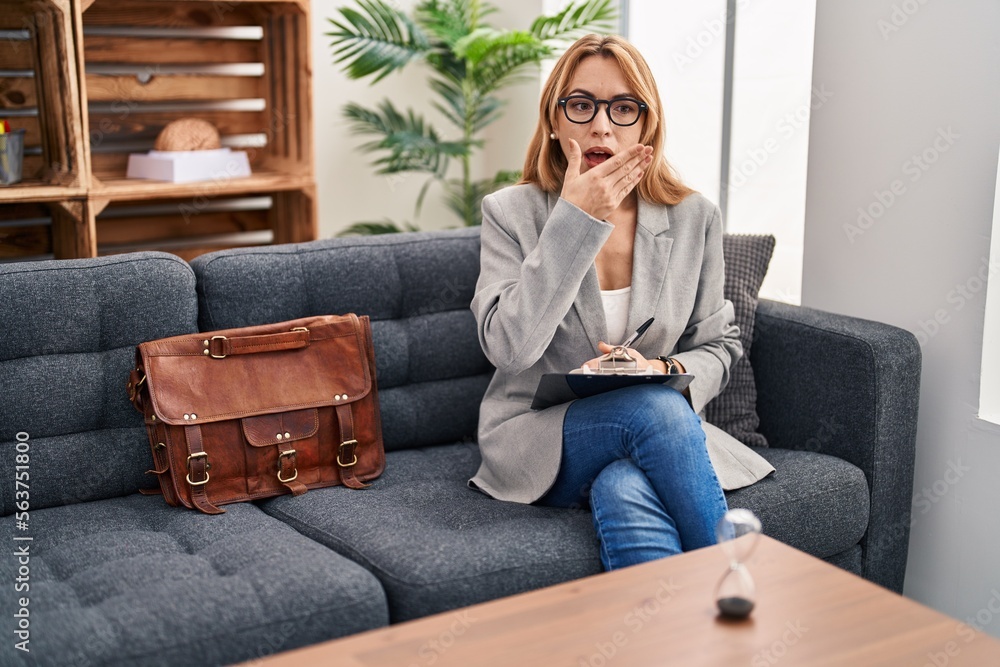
188 134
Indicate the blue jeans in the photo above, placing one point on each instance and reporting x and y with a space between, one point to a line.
637 456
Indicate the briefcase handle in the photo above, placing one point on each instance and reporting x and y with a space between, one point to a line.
220 347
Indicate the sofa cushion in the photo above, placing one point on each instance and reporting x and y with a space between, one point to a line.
67 344
434 543
734 410
415 287
437 545
132 581
813 502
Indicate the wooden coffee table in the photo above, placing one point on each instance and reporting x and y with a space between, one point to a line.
663 613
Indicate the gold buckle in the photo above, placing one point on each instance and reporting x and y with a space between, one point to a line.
290 452
197 455
341 463
300 329
217 356
135 390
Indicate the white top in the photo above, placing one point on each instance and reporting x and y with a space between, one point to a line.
616 302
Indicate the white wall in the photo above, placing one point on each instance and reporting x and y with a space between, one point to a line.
349 189
931 86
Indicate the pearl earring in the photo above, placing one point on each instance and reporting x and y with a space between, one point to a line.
552 136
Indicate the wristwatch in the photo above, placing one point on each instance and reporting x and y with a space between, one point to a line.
671 364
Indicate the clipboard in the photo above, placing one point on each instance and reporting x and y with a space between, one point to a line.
556 388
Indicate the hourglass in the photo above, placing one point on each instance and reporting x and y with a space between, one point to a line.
737 533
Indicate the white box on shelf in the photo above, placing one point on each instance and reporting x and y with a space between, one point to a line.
189 166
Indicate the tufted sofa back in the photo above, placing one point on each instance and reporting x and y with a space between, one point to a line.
68 331
415 287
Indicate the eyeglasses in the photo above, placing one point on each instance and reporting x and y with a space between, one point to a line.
622 111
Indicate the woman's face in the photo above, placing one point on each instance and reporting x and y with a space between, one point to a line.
600 78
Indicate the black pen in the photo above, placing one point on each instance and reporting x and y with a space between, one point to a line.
638 332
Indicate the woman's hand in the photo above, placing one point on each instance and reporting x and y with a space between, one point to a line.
600 190
640 361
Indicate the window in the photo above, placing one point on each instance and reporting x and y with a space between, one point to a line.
746 150
989 386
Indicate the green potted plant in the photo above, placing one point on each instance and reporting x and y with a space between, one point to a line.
470 63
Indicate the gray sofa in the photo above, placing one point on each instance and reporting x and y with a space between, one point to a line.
119 578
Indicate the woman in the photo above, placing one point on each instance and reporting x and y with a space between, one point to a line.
598 237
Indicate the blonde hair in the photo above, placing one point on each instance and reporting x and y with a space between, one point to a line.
545 164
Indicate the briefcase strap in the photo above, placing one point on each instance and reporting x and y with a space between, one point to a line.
220 347
198 470
287 472
347 454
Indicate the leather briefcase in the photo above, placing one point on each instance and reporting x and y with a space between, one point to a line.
260 411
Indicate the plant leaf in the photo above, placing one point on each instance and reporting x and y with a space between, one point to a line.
420 197
503 58
406 141
575 20
478 45
377 40
468 204
371 228
458 200
504 178
448 21
488 109
451 93
472 62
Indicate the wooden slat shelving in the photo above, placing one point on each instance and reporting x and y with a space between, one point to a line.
108 75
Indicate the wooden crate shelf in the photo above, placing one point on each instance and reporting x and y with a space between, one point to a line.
134 84
25 230
130 67
36 189
128 189
183 221
42 96
59 229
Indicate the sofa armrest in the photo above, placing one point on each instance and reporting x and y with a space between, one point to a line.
849 388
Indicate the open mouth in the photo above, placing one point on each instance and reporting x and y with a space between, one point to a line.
596 156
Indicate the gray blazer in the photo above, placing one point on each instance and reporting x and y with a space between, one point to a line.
539 310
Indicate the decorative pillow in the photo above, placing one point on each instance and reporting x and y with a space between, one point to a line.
734 410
